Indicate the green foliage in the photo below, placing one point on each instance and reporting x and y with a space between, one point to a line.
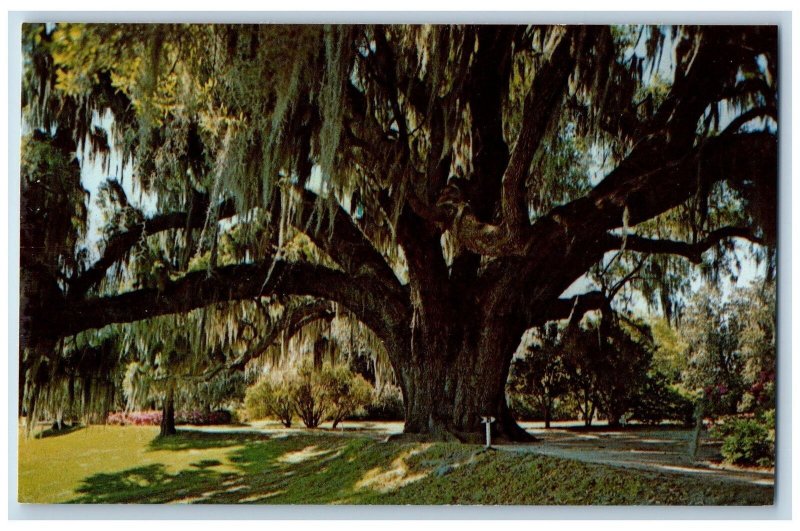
331 392
344 392
670 357
657 401
732 348
538 377
748 441
606 364
272 396
309 397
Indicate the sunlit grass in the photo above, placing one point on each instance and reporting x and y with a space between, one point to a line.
50 469
133 465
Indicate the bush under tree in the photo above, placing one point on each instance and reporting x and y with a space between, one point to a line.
272 396
344 392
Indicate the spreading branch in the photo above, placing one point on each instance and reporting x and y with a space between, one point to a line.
121 243
370 302
541 104
692 251
333 231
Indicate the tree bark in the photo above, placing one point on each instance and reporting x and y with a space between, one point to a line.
168 415
547 408
456 374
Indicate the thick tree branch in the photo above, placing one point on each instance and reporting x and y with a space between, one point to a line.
541 104
752 114
575 236
645 193
333 230
119 244
692 251
370 302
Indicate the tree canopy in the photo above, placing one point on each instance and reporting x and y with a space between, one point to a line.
442 186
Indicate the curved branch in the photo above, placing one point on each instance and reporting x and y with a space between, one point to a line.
568 308
373 304
756 112
692 251
292 322
120 244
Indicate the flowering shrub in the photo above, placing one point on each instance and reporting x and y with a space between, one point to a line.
203 418
134 418
153 418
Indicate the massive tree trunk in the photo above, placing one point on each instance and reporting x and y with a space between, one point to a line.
462 338
450 385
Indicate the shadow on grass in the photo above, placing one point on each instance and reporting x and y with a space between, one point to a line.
200 440
57 433
150 484
297 469
320 469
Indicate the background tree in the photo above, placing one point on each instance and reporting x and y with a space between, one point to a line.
620 363
538 377
433 171
731 348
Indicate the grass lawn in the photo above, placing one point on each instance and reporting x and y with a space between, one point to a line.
132 465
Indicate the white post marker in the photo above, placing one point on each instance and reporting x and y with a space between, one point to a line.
488 421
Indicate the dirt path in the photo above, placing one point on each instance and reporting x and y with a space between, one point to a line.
656 449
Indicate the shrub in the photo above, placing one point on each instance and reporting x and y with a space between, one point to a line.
309 398
333 393
747 441
153 418
387 404
272 396
343 392
203 418
656 401
134 418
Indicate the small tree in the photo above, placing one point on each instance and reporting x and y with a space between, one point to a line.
620 367
578 350
273 396
657 401
309 397
538 378
344 392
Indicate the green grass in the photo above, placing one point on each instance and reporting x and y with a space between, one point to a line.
133 465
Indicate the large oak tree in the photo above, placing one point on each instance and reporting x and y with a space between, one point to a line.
453 181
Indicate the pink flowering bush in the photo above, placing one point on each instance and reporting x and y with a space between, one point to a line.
203 418
134 418
153 418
